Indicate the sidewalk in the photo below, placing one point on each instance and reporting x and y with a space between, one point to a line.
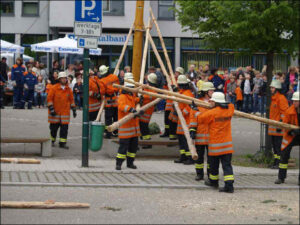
150 174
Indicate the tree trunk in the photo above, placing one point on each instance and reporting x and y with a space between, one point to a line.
270 65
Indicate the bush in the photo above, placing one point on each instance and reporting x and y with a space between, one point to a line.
154 128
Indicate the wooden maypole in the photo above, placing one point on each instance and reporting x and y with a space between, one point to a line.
138 39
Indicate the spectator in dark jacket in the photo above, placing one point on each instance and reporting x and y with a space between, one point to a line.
263 93
217 80
3 68
192 74
291 78
247 88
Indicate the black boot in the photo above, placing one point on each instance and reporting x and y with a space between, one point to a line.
279 181
63 145
211 184
189 161
228 188
119 163
130 163
199 177
181 159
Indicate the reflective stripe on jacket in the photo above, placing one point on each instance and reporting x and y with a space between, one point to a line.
185 109
279 105
290 117
131 128
219 127
62 101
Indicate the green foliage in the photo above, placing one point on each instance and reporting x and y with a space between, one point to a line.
250 26
154 128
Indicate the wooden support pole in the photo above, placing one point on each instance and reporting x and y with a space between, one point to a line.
100 110
130 116
123 50
179 113
43 205
183 99
20 160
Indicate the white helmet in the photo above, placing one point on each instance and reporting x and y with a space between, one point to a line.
182 79
296 96
62 75
207 86
218 97
130 85
128 76
103 69
152 78
179 70
276 84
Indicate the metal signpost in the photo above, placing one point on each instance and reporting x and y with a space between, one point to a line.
88 19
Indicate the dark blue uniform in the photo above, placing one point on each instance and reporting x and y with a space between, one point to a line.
30 81
17 75
2 81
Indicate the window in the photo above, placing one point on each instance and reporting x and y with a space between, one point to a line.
113 7
30 8
105 5
7 8
164 10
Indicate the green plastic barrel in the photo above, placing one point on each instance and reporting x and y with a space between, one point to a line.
96 136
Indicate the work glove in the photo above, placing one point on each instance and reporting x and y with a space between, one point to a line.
278 130
294 132
220 86
194 106
74 113
174 88
193 134
52 112
132 110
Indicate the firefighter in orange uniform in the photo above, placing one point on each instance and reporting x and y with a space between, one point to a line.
199 131
184 89
220 147
94 96
111 94
171 132
60 101
290 138
128 132
146 117
279 105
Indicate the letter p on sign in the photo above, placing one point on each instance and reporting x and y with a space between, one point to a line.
84 7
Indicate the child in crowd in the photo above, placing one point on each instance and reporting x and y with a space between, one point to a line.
30 81
239 96
290 93
231 87
39 94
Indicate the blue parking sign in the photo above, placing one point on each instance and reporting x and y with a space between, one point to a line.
88 11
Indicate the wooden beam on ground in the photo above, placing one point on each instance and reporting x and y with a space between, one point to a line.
43 205
20 160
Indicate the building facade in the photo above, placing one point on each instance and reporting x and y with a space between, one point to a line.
26 22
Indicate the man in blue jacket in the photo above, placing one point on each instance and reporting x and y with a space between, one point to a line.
17 76
30 81
217 80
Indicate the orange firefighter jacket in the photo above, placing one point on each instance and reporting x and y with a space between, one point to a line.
94 88
202 135
185 109
131 128
107 90
146 117
62 100
219 128
290 117
279 105
239 94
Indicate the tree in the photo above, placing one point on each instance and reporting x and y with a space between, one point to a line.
270 26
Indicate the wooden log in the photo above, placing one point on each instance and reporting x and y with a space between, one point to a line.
130 116
20 160
204 104
100 110
163 47
43 205
123 50
179 113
